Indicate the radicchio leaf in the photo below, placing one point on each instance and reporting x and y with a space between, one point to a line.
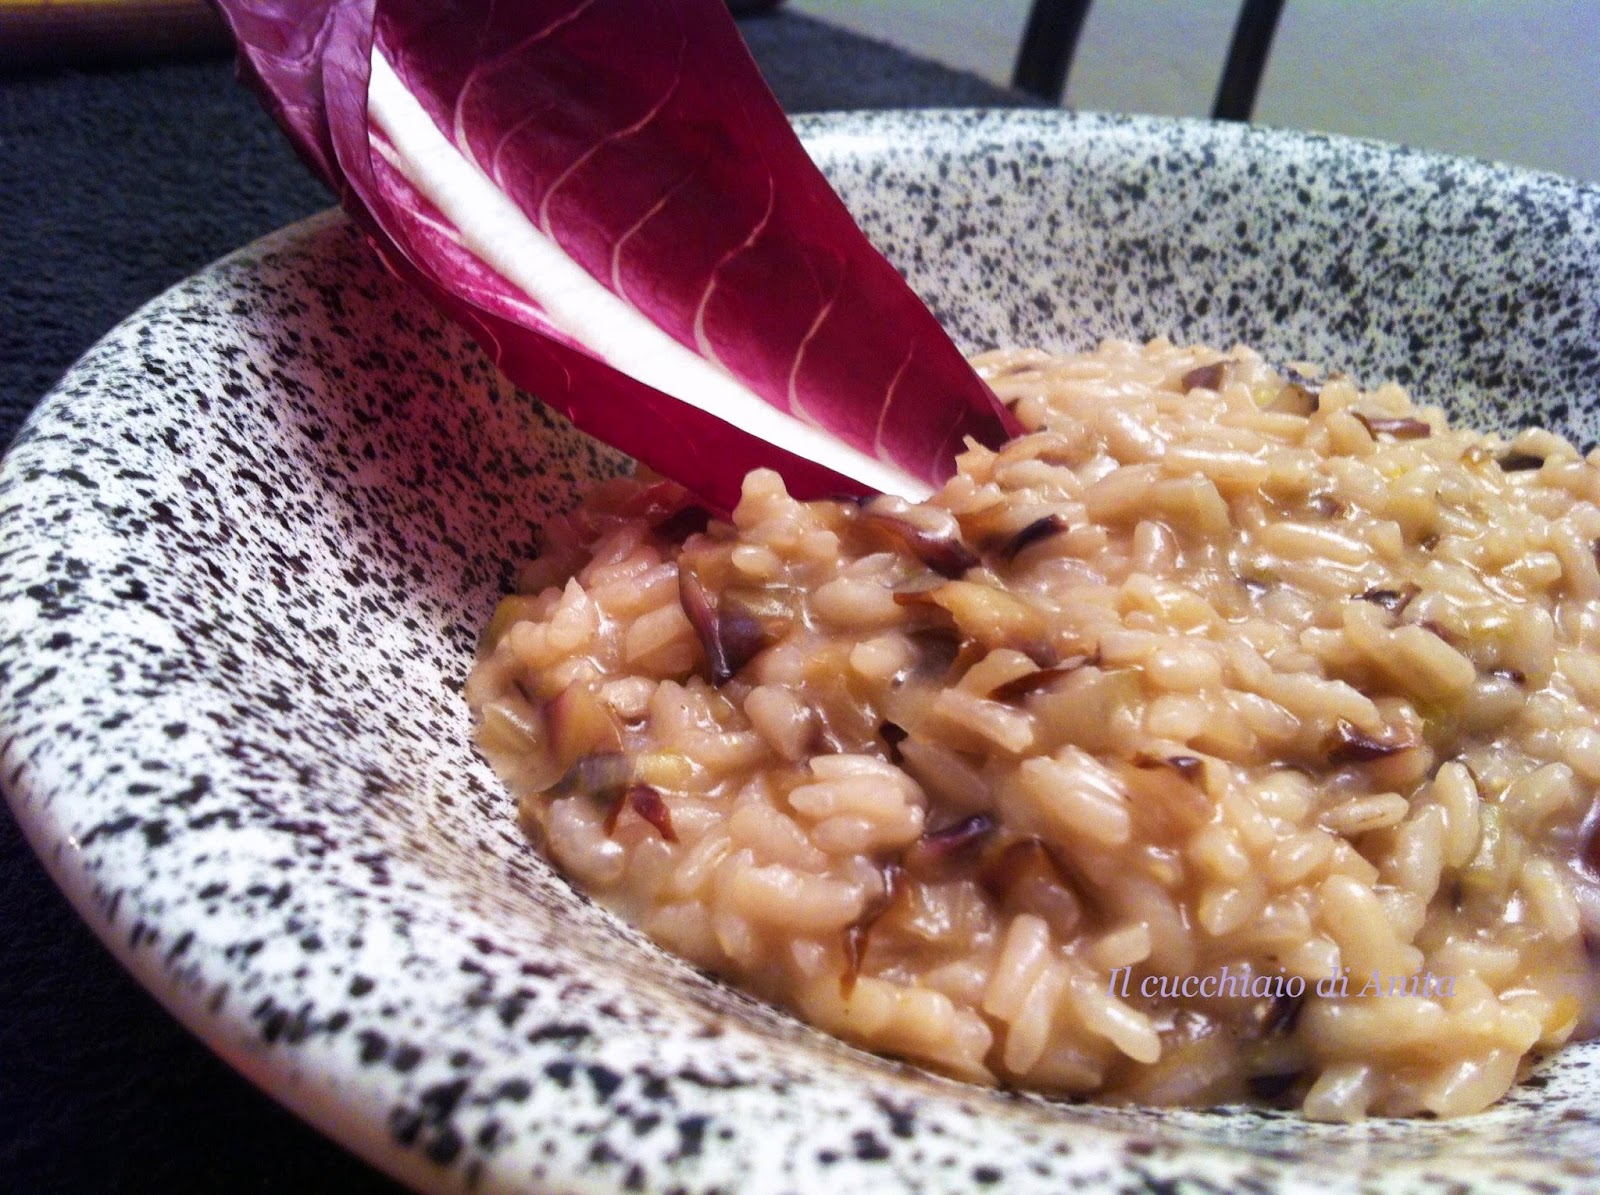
633 144
1279 1017
1031 682
1348 744
1393 600
948 842
1191 767
729 635
1519 462
1205 377
1401 428
1040 529
857 934
649 805
940 548
603 777
893 734
682 523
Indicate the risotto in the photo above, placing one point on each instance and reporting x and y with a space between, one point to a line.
1231 735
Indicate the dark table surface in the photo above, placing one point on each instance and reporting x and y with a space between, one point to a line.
114 184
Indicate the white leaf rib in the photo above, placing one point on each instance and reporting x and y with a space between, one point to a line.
460 106
580 308
637 225
888 400
702 342
493 170
488 67
792 390
609 139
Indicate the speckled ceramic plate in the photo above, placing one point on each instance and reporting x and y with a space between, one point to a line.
248 542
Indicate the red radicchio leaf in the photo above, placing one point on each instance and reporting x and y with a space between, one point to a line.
636 139
1393 600
702 616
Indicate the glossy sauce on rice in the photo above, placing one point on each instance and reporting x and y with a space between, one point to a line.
1230 736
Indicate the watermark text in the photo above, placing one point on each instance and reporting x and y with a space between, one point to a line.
1246 984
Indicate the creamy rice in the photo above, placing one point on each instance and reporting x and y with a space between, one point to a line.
1230 736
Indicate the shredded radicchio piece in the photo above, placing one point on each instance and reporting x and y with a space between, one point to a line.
937 649
648 804
943 552
1588 843
603 776
1434 627
1300 396
893 734
856 936
1281 1015
682 523
1190 767
1040 529
730 636
1325 506
947 842
1349 744
1272 1088
744 636
1004 870
1295 400
1205 377
1392 600
696 603
1518 462
1402 428
1032 682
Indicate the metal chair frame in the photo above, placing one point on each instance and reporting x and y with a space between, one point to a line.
1051 38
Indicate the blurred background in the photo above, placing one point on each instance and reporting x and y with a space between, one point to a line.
1511 82
128 159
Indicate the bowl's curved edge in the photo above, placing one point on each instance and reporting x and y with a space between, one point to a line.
316 1081
314 1094
1352 254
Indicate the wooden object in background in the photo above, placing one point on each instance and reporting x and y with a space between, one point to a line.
44 33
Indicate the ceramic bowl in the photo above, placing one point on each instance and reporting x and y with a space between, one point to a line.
248 543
